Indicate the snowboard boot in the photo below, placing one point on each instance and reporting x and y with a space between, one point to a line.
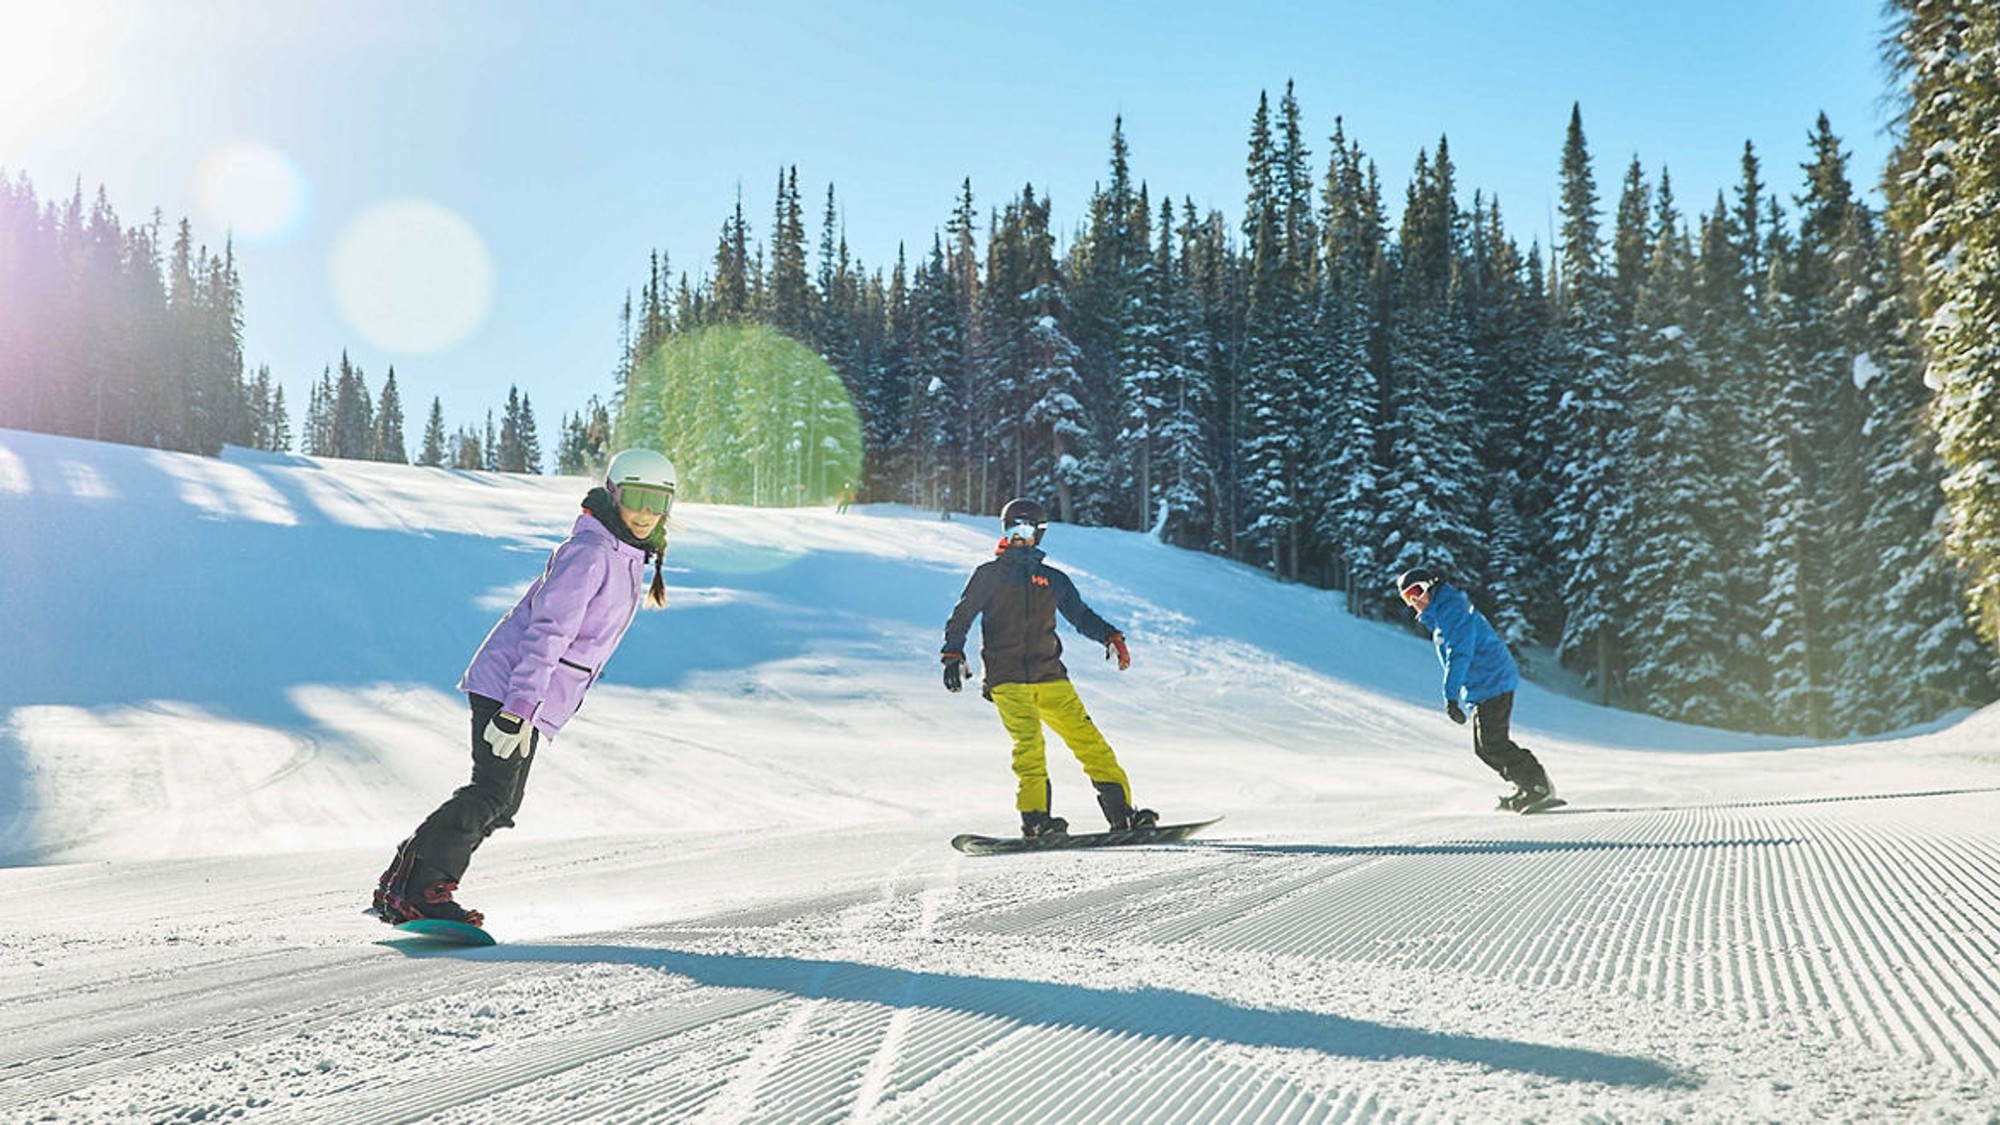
410 890
1529 795
1118 813
1038 823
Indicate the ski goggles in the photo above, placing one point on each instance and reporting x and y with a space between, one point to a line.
1415 590
646 498
1024 530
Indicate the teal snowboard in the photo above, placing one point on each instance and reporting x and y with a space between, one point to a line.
454 933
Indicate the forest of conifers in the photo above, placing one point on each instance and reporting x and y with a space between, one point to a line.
1734 458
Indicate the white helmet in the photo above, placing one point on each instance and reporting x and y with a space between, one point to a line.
642 480
642 467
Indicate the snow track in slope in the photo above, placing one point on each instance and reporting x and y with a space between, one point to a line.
1660 963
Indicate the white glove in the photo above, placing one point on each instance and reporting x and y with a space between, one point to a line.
508 735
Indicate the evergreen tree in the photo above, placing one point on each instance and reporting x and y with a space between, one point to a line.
1791 568
790 295
512 455
1945 180
1274 371
278 424
1633 245
319 435
1594 431
733 282
389 444
435 444
1432 507
1498 298
1912 655
1180 457
586 441
1348 469
938 341
353 414
1677 595
468 454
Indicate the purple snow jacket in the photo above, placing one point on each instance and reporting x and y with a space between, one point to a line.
548 650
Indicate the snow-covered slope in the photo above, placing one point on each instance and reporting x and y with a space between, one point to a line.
228 692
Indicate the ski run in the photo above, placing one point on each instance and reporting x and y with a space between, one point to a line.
731 895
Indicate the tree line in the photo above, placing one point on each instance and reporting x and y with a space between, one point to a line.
125 334
1691 451
110 333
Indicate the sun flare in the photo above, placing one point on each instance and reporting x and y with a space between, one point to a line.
56 58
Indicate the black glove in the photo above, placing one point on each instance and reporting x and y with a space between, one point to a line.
954 671
1456 712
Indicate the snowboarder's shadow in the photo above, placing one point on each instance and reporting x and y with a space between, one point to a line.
1481 847
1779 802
1156 1013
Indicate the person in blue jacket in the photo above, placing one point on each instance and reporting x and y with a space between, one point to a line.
1479 675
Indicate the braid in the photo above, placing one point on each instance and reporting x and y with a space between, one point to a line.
657 596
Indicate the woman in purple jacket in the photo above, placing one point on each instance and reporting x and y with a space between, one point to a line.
529 677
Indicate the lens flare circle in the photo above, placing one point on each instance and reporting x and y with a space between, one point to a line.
749 415
412 276
252 190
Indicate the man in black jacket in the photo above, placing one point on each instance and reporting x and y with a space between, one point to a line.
1016 596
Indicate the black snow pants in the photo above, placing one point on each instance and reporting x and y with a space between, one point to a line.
443 844
1497 748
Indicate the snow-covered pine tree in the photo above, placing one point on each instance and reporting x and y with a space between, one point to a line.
1145 371
388 444
1676 627
788 298
1031 378
933 438
512 455
1945 183
1913 654
1506 331
1181 463
1211 283
1432 477
1731 401
1345 461
1633 243
730 292
353 414
1594 431
1276 366
1790 560
434 449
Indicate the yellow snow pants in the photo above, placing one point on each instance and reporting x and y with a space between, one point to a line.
1023 709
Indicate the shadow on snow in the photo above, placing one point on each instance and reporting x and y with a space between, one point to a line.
1155 1013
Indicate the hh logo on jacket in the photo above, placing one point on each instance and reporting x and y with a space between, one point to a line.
1039 580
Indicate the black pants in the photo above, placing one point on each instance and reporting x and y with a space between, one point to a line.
1496 747
442 845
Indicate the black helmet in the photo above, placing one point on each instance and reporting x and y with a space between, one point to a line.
1020 512
1415 576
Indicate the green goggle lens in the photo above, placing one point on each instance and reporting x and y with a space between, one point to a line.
644 498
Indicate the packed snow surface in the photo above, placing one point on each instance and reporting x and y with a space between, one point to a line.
228 693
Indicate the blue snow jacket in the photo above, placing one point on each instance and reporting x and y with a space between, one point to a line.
1477 665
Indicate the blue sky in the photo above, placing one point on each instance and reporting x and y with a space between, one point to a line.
467 191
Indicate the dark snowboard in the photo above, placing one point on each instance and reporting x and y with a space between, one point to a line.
1543 806
972 844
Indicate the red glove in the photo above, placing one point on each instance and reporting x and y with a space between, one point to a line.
1115 643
